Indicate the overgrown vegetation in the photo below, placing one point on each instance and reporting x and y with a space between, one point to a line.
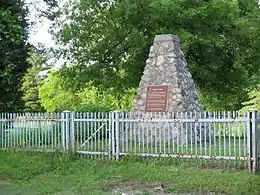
107 43
55 173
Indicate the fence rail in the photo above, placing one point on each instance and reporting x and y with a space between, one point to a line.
208 135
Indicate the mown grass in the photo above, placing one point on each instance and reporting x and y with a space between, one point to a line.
55 173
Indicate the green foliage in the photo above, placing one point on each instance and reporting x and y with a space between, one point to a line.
55 96
94 99
213 101
254 102
13 53
109 40
31 83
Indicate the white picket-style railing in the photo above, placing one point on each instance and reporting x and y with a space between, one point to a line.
207 135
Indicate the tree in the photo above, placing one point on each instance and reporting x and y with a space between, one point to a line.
55 97
254 102
13 53
31 83
109 41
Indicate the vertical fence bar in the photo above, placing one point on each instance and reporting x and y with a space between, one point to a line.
72 132
55 130
139 132
156 134
110 137
30 122
45 123
229 135
178 131
127 132
252 141
100 127
164 133
131 133
2 130
245 116
113 135
91 130
257 130
11 130
52 131
168 130
83 129
63 131
104 141
58 130
173 133
67 130
19 126
239 136
88 130
117 132
192 133
205 134
182 132
200 134
122 133
196 133
104 130
210 134
235 133
107 134
66 126
8 130
14 130
152 133
147 136
79 133
249 140
160 132
225 144
41 122
215 142
186 132
219 134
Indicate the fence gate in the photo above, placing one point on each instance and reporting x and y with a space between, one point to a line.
86 133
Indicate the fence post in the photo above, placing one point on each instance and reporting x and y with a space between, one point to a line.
67 131
257 130
71 133
252 140
110 136
117 137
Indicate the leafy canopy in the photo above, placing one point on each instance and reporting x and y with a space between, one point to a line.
55 97
13 53
109 43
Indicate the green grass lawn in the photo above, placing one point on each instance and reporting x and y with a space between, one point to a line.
54 173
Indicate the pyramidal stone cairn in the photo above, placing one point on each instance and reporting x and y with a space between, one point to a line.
166 68
167 87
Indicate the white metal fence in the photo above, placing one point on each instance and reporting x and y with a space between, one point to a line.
208 135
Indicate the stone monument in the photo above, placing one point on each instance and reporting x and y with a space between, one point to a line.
167 86
166 69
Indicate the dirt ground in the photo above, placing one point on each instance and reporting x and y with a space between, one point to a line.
143 188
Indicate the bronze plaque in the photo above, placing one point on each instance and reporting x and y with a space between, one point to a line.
156 98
